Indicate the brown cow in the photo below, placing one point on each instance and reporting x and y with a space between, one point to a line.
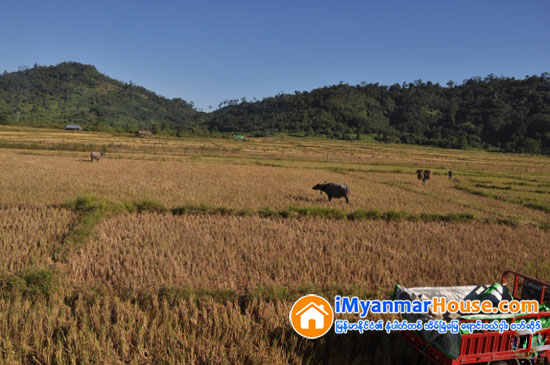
427 176
96 156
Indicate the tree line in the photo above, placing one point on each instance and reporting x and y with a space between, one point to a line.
500 113
492 112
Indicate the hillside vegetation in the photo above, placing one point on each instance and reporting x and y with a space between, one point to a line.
493 112
502 113
75 93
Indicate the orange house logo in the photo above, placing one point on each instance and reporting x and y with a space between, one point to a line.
311 316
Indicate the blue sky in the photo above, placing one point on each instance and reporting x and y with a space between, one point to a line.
209 51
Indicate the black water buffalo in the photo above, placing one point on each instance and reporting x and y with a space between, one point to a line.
334 190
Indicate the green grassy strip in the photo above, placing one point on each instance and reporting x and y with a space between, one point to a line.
93 209
90 210
528 204
538 206
34 283
344 170
50 146
487 186
473 191
205 209
29 283
330 213
395 170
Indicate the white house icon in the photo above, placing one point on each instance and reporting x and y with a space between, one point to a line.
315 312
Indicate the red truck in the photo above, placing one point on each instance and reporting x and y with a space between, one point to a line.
487 347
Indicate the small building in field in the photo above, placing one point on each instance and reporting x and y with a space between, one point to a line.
144 133
73 127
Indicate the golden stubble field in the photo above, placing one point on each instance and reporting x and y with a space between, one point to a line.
55 177
243 253
103 283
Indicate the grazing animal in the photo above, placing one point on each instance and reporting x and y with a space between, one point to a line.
334 190
427 175
419 174
96 156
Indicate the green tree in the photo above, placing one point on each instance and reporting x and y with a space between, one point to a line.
3 118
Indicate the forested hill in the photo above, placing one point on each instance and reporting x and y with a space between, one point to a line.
493 112
73 93
505 113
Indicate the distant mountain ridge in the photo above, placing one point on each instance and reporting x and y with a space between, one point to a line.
492 112
73 93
